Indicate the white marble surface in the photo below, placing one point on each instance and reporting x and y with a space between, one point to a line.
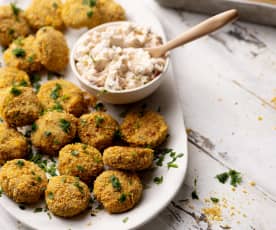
226 83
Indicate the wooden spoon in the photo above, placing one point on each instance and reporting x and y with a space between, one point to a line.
206 27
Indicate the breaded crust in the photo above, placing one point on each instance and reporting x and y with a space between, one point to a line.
12 25
64 94
23 181
42 13
53 51
80 160
128 158
23 54
144 128
54 130
111 11
12 144
10 76
97 129
118 191
66 196
19 106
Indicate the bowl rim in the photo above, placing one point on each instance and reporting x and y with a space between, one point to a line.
100 90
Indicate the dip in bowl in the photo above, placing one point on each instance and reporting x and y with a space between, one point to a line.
110 61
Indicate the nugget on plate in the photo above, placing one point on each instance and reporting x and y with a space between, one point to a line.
12 24
12 144
52 131
97 129
80 160
42 13
23 54
111 11
144 128
10 76
66 196
81 13
128 158
62 95
53 51
23 181
19 106
118 191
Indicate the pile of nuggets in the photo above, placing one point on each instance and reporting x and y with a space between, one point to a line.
86 143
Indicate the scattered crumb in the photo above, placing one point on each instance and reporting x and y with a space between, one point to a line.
260 118
188 131
252 183
206 200
191 206
238 222
244 191
89 223
213 213
233 189
244 215
219 99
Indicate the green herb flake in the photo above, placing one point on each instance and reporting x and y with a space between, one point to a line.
15 9
223 177
122 198
15 91
36 87
64 125
47 133
75 153
22 207
57 107
89 13
34 127
19 52
50 195
235 177
115 183
117 135
80 168
99 120
55 92
1 120
158 180
30 59
49 215
77 184
214 200
125 220
1 192
23 83
194 195
172 165
38 210
99 107
52 170
20 163
90 3
11 31
55 5
38 178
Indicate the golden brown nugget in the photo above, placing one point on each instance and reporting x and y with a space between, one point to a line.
66 196
23 54
128 158
118 191
53 51
62 95
19 106
42 13
13 144
81 13
144 128
80 160
54 130
97 129
10 76
23 181
13 24
111 11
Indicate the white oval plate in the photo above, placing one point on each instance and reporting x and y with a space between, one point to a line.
155 197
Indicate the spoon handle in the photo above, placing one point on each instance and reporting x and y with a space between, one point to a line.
203 28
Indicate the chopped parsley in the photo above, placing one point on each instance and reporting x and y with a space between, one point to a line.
23 83
1 191
77 184
122 198
90 3
125 220
194 192
52 170
30 59
19 52
99 107
47 133
11 31
99 120
15 9
58 107
214 200
34 127
117 135
38 178
55 92
89 13
38 210
1 120
235 177
50 195
20 163
158 180
159 157
15 91
115 183
22 206
75 153
64 125
80 168
55 5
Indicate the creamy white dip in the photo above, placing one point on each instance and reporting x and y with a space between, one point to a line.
114 58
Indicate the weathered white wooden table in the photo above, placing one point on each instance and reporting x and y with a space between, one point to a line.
226 84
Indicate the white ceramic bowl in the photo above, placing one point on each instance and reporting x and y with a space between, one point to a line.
111 96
